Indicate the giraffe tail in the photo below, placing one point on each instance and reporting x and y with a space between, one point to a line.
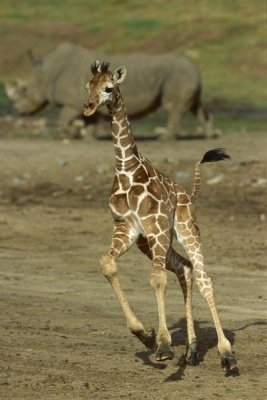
210 156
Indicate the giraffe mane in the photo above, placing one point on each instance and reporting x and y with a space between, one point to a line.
100 67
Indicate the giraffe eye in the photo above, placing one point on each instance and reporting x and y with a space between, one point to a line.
108 89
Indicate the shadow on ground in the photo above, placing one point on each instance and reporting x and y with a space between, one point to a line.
207 339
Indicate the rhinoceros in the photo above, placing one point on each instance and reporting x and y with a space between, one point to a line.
168 80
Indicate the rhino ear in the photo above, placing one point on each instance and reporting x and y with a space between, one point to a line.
10 89
120 75
36 62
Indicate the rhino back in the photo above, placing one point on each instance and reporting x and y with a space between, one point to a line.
66 71
149 77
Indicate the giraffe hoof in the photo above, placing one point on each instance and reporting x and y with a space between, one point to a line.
192 359
148 339
191 356
164 353
229 363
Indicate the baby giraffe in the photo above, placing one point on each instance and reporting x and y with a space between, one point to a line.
149 209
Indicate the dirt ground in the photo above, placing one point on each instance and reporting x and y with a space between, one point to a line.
62 333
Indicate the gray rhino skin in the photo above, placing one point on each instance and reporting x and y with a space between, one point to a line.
168 80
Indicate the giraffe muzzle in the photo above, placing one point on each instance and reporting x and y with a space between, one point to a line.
89 108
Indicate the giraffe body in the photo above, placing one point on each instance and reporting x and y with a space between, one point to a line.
150 209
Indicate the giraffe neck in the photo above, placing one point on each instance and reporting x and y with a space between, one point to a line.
127 156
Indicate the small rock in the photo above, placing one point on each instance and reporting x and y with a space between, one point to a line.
182 174
78 123
17 181
19 123
39 123
262 217
76 127
102 169
168 160
79 178
199 130
248 162
26 176
66 141
87 187
83 132
8 119
58 193
215 180
216 132
244 182
62 163
261 182
160 130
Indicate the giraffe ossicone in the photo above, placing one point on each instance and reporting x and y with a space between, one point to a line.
150 209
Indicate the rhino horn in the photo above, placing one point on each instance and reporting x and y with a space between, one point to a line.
35 61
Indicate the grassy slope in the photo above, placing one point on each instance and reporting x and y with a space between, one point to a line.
226 38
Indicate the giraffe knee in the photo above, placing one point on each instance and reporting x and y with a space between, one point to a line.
158 279
108 266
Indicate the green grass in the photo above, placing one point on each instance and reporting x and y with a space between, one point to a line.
224 123
228 124
5 103
144 128
227 39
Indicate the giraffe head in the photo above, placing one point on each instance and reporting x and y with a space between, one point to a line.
102 86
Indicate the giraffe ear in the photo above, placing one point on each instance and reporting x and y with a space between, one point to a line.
120 75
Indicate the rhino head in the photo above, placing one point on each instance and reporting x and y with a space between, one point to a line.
26 95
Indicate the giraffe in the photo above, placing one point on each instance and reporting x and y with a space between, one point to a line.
150 209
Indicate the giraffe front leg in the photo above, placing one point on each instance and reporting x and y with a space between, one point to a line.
122 240
183 270
158 280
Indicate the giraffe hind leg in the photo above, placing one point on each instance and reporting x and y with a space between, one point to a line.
182 268
187 233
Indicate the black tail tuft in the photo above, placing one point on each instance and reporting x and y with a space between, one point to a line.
215 155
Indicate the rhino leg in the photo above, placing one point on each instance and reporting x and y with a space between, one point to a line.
67 115
205 119
66 122
175 113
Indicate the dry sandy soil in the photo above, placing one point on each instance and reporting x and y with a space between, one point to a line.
63 335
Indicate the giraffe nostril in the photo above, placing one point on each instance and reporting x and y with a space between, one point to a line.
88 104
